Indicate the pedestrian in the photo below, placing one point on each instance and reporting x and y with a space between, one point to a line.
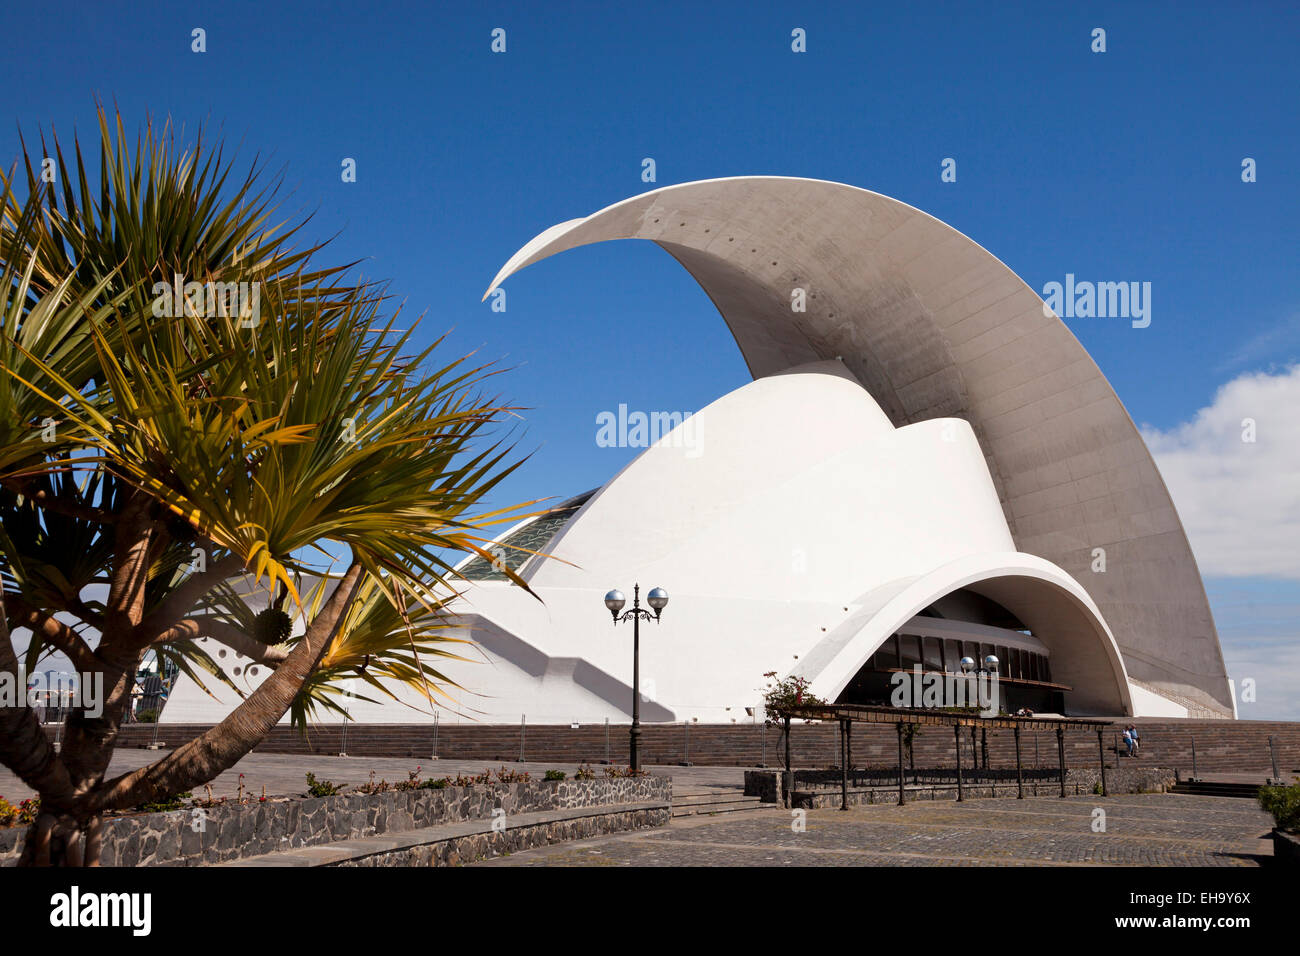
1128 741
1137 743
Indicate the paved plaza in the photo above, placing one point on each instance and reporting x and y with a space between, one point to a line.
1141 830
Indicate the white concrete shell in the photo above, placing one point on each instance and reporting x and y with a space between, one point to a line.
934 326
964 445
802 556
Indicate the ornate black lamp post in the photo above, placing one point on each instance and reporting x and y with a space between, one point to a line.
658 600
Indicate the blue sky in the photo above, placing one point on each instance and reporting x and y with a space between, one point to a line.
1123 165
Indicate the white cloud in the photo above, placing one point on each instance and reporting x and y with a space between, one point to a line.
1269 345
1239 500
1274 665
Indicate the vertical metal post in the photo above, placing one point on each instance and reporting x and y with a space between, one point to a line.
901 798
635 761
1195 775
1101 754
956 736
763 737
974 752
789 773
1060 755
911 753
607 740
1272 752
523 719
844 765
1020 777
434 755
686 743
984 746
848 744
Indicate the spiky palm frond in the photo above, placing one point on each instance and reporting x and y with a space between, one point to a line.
312 426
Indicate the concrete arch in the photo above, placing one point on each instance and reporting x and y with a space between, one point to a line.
935 326
1050 603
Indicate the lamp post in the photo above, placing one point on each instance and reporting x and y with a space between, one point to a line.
614 600
991 672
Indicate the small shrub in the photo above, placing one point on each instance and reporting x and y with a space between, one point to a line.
612 772
383 786
785 694
555 775
584 773
438 784
1284 805
165 805
321 788
148 716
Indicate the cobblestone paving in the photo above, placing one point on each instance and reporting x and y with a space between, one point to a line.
1141 830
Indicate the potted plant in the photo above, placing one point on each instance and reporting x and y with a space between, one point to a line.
1283 803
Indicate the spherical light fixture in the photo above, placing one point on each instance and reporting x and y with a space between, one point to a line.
657 599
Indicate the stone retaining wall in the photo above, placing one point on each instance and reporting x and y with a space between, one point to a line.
1221 745
233 831
482 846
823 792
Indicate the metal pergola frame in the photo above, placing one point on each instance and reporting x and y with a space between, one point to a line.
848 714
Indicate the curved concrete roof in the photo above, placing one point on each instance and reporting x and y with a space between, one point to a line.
933 325
1052 604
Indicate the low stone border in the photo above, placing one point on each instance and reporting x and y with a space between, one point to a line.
767 786
453 850
1286 848
234 831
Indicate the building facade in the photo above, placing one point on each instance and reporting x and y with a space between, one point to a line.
927 467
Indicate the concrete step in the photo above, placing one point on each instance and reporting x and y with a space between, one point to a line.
710 802
684 795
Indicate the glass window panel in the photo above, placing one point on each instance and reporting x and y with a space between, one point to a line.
911 650
933 657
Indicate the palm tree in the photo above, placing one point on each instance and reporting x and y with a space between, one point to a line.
150 454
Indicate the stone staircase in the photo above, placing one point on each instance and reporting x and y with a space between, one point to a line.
702 801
